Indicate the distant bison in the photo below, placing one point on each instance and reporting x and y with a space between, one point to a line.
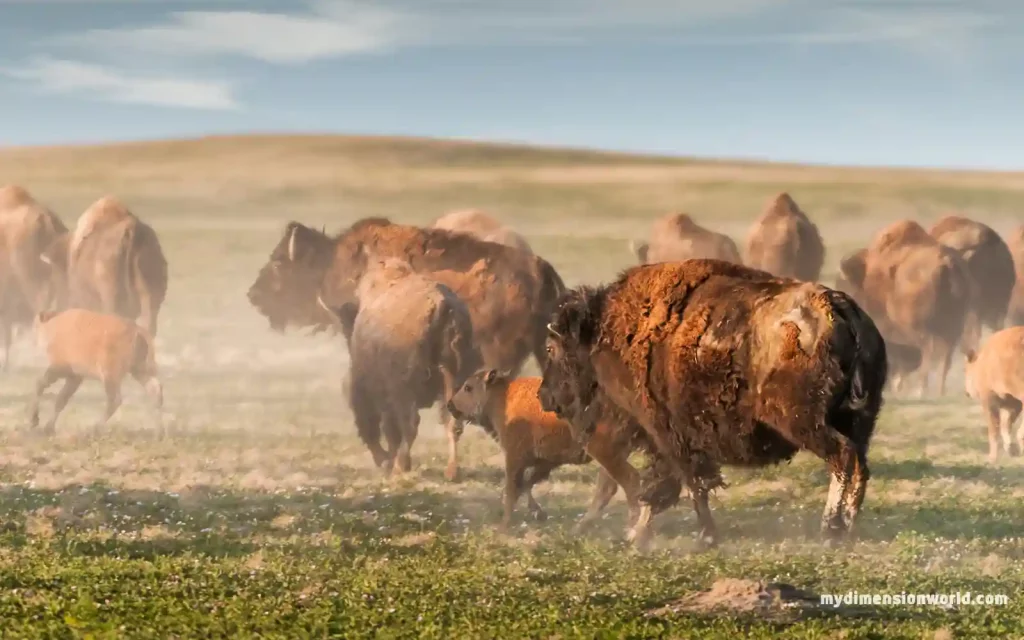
510 294
1015 315
481 225
411 346
82 344
723 364
989 262
678 237
918 288
785 243
995 378
536 442
112 262
27 228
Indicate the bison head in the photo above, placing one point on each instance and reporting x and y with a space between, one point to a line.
286 288
53 289
569 387
852 270
470 401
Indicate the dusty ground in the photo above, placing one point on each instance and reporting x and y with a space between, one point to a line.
262 513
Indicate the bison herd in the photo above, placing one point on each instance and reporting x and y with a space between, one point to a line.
698 356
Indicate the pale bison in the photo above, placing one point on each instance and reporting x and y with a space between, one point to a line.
785 243
82 344
678 237
482 225
722 364
410 346
995 378
919 290
27 228
989 262
112 262
536 442
1015 315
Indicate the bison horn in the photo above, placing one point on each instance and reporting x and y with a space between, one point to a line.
553 332
332 313
291 244
45 259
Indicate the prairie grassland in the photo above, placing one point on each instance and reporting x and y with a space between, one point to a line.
261 514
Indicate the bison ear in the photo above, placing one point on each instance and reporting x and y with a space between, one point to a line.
490 376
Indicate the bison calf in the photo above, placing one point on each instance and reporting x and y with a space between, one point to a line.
82 344
538 442
995 377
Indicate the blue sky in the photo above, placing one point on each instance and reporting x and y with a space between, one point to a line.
898 82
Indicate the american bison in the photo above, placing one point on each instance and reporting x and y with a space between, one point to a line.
510 294
536 442
27 228
995 378
483 226
411 346
785 243
112 262
989 262
1015 315
678 237
919 290
82 344
722 364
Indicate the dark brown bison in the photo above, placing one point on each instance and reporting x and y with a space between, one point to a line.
919 290
411 346
722 364
678 237
510 294
482 225
989 262
112 263
1015 314
27 228
785 243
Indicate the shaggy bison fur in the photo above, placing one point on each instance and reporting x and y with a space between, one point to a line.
722 364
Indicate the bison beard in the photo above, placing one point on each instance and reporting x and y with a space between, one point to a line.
722 364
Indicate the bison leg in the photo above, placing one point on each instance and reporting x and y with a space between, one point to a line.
453 429
113 390
5 337
536 474
393 434
945 364
409 423
706 476
47 380
844 461
994 419
1011 410
368 420
605 489
71 385
660 489
155 390
513 484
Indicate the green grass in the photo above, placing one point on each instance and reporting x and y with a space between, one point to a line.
261 516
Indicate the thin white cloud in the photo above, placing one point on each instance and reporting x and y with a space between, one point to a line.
105 84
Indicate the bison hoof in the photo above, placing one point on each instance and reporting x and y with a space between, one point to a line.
707 539
539 515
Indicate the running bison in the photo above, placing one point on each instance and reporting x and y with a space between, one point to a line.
722 364
989 262
410 345
785 243
482 225
995 378
111 263
510 294
919 291
678 237
27 228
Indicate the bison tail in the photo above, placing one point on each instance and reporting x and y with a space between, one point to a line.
143 354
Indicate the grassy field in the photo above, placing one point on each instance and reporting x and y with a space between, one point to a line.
262 516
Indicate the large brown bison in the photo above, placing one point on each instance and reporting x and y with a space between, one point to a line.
411 346
919 290
784 242
677 237
989 262
722 364
1015 314
510 294
27 228
112 263
482 225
